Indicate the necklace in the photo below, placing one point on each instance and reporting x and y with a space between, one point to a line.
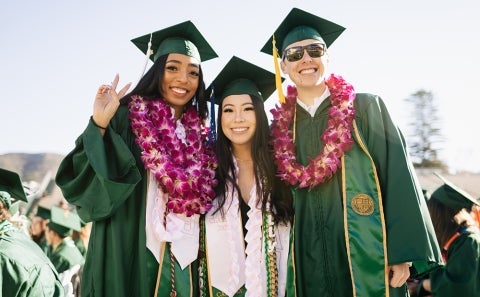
184 169
336 139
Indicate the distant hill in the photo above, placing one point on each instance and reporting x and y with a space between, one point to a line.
31 167
36 171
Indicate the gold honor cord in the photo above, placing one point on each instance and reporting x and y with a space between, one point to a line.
278 79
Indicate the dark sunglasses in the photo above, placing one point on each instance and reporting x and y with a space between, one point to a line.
295 53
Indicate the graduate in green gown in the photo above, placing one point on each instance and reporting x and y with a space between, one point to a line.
63 253
246 233
39 225
25 269
458 234
360 219
143 173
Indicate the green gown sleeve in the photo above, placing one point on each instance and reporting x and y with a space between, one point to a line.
99 174
461 275
25 270
410 233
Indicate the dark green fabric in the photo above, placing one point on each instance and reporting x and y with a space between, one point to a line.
320 257
106 180
66 255
241 292
186 280
461 274
366 241
25 269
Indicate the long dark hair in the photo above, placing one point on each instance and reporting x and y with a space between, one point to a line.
264 169
149 87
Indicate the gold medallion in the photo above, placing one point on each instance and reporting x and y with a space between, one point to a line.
363 204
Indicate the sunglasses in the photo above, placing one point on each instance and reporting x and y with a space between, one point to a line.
295 53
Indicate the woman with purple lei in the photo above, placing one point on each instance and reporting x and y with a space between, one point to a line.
143 173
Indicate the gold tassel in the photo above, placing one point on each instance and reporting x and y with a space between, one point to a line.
278 78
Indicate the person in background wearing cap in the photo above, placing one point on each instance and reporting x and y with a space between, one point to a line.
253 208
38 227
360 219
82 237
63 254
457 232
25 269
143 173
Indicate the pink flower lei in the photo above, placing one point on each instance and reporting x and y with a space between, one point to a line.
336 139
184 170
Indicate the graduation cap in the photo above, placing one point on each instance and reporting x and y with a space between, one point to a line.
10 182
64 221
183 38
43 212
299 25
452 196
241 77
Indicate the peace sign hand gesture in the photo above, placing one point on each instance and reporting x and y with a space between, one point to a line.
106 102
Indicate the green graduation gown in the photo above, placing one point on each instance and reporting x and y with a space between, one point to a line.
319 264
461 275
105 178
25 269
66 255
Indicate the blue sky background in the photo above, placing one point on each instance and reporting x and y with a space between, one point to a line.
54 54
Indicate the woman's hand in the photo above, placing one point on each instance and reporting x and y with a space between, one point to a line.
107 101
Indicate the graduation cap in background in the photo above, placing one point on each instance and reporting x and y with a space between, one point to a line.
11 183
183 38
43 212
299 25
64 221
452 196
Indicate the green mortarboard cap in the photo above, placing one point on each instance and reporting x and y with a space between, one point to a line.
63 221
452 196
241 77
43 212
183 38
299 25
10 182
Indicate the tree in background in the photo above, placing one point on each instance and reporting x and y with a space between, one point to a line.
424 134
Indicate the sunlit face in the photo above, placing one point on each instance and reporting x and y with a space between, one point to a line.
238 119
306 72
37 226
180 80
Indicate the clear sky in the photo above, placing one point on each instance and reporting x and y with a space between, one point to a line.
55 54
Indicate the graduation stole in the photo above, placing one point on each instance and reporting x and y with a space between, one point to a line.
365 231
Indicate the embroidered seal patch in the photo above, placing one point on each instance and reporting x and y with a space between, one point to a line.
363 204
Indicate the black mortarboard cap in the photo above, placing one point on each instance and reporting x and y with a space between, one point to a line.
43 212
452 196
183 38
241 77
11 183
299 25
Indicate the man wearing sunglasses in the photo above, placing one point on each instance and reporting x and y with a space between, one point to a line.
361 225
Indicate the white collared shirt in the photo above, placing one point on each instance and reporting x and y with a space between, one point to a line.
311 109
